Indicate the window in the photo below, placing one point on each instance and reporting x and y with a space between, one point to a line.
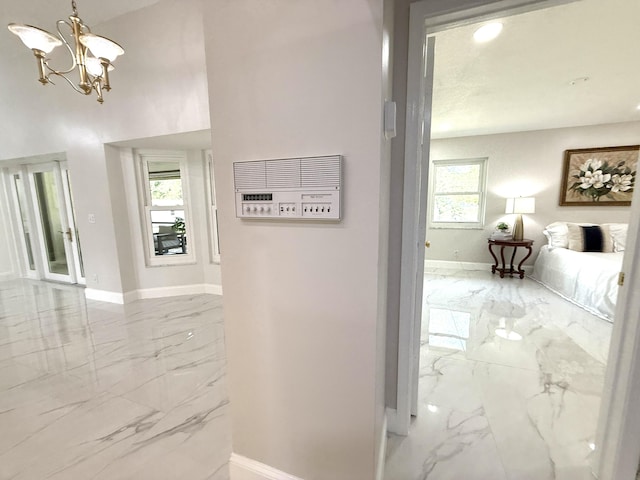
166 208
458 193
214 239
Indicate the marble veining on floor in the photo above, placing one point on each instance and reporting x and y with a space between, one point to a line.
510 383
90 390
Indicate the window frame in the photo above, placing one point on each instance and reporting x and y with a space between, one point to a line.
146 207
482 192
212 217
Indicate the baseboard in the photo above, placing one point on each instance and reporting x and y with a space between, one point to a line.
7 276
382 453
131 296
159 292
177 290
243 468
213 289
104 296
454 265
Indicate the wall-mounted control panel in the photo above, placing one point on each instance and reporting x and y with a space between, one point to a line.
292 188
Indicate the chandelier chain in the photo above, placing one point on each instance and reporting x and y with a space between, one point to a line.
74 8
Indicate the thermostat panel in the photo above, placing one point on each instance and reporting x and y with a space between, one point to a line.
293 188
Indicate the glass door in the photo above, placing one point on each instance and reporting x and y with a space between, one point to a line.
54 224
18 191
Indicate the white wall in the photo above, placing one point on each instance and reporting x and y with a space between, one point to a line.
525 164
291 79
159 88
126 242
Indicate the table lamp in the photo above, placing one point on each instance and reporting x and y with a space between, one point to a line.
519 206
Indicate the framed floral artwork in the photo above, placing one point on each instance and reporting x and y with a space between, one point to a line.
599 176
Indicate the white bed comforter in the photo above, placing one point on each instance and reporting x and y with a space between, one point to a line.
589 279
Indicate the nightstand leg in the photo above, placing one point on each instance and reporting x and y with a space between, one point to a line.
495 259
513 256
520 270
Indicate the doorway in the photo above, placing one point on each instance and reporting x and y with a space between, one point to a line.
416 168
44 220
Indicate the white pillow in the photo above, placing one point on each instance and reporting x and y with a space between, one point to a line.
557 235
619 235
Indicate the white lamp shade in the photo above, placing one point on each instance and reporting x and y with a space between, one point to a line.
94 66
521 205
101 47
35 38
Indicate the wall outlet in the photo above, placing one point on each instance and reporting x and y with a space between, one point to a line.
92 218
94 278
456 254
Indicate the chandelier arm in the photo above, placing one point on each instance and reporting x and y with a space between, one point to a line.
73 85
74 64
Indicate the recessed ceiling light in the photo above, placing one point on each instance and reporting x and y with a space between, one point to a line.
487 32
638 107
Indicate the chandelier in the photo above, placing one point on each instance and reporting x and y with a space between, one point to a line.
91 55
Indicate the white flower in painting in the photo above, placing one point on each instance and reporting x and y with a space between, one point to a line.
620 183
595 179
594 164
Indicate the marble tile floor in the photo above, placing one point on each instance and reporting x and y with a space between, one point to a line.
510 383
90 390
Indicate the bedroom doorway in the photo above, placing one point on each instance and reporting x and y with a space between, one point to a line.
610 458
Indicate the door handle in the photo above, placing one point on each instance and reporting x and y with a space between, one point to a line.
67 233
427 244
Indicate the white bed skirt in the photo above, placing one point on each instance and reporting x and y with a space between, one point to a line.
588 279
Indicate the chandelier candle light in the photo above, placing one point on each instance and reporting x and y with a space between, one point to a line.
519 206
91 54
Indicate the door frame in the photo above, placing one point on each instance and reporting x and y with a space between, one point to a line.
618 437
76 249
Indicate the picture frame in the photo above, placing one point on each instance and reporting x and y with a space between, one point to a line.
602 176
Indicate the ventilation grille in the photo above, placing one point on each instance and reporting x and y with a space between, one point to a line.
320 172
313 172
283 173
250 175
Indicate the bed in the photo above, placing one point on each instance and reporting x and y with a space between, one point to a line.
586 278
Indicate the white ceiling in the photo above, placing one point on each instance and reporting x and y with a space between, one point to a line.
521 80
44 13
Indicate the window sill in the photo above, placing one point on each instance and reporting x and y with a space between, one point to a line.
456 227
152 264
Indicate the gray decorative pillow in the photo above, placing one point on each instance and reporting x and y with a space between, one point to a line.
590 238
